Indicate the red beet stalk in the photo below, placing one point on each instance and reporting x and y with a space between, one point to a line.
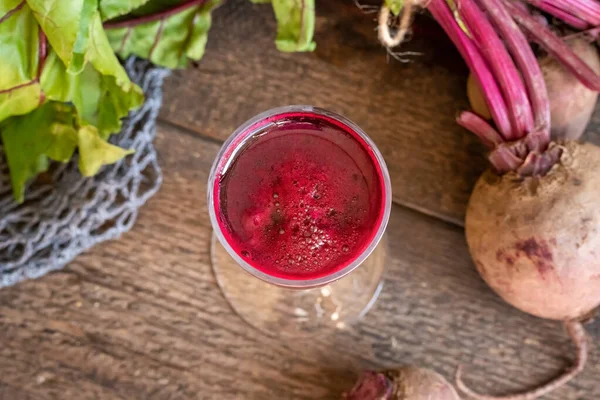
477 125
566 10
588 10
555 46
530 70
472 56
502 65
563 15
158 16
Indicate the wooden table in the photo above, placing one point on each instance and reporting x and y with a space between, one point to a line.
143 318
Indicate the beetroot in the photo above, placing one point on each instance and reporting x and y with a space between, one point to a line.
571 103
536 239
533 221
406 383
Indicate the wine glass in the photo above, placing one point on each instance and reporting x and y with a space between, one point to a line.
299 198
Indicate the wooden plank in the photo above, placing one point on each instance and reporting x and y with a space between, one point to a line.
142 317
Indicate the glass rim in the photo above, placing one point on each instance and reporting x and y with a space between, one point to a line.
212 207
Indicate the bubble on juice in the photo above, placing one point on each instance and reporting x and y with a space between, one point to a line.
316 192
275 195
246 253
345 248
281 231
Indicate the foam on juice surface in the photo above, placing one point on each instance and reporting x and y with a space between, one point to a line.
302 200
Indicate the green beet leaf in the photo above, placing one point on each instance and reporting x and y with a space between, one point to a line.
52 131
77 100
62 133
66 24
110 9
168 39
98 98
94 151
394 5
30 139
102 93
295 25
19 59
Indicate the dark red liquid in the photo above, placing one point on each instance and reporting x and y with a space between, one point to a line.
302 199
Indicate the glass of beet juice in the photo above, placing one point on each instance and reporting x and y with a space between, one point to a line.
299 198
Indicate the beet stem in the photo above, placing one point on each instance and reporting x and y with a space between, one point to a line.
504 159
371 385
561 8
502 66
563 15
470 53
477 125
556 47
588 10
521 51
158 16
579 338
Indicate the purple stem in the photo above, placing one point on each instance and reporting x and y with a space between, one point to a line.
526 61
153 17
502 66
589 7
11 12
477 125
42 52
586 10
563 15
371 385
504 160
42 55
555 46
470 53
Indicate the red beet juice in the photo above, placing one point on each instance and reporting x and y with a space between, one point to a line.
300 196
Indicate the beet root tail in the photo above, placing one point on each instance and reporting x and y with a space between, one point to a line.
580 340
386 37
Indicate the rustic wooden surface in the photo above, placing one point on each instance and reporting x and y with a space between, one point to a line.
143 318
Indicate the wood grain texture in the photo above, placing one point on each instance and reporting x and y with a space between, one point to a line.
408 109
143 318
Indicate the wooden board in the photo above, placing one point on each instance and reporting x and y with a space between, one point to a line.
408 108
143 318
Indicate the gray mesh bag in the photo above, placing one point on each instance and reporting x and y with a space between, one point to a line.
67 216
